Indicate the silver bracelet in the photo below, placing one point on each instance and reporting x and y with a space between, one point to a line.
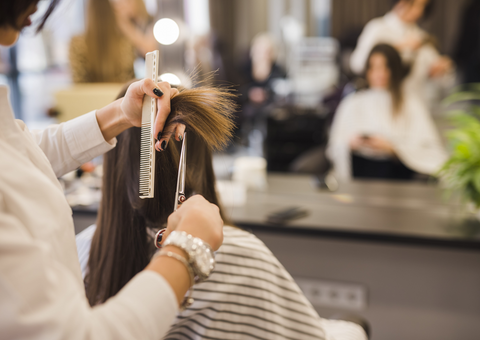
188 300
200 254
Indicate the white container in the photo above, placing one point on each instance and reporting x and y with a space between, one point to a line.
251 171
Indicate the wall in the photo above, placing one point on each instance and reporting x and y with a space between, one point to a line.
413 292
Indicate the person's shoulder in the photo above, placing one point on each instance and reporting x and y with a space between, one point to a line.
234 234
241 242
375 24
84 243
86 235
353 98
376 21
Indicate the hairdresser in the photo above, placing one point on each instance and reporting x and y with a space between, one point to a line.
41 289
400 28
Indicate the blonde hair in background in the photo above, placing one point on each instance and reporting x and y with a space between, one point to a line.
264 42
263 54
104 39
141 10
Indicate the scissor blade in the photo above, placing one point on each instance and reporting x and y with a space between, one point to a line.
180 192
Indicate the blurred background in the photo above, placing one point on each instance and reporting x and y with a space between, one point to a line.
348 111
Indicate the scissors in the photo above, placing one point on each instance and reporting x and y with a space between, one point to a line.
180 192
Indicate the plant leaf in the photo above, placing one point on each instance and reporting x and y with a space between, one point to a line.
460 97
476 180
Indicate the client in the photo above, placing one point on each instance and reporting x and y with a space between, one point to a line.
384 132
249 295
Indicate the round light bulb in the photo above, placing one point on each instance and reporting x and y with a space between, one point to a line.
170 78
166 31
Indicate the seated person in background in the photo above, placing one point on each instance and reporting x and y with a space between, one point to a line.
399 28
116 33
382 132
249 295
259 72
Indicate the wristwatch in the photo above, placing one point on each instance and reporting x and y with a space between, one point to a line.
200 255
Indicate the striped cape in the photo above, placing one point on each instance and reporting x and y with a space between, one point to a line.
249 295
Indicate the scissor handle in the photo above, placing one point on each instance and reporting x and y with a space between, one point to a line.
181 199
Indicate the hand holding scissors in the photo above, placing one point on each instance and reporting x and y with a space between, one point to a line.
180 192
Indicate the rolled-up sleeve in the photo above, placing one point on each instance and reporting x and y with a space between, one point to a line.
41 299
70 144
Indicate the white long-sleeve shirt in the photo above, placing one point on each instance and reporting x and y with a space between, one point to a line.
390 29
412 133
41 289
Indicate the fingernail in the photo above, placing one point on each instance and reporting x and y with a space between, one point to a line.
180 137
158 92
159 136
164 145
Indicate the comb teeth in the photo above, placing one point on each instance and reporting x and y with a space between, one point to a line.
147 142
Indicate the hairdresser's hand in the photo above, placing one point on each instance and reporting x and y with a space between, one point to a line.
132 109
380 144
441 67
357 142
199 218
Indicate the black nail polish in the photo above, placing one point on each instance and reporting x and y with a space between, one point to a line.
159 136
163 145
180 137
158 92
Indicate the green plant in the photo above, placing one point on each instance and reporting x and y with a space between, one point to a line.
461 173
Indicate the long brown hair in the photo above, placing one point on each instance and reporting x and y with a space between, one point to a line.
398 72
106 44
120 246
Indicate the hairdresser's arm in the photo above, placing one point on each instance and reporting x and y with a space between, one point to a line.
199 218
70 144
368 39
42 298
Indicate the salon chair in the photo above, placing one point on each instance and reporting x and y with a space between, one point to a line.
291 131
82 98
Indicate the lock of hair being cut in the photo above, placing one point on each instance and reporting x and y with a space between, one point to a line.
120 246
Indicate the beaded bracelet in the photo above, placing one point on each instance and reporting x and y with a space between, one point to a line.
188 300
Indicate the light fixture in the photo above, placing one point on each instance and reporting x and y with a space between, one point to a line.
166 31
170 78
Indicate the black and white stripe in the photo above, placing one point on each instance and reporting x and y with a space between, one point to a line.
249 295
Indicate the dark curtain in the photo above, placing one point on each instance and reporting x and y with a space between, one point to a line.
222 22
350 16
